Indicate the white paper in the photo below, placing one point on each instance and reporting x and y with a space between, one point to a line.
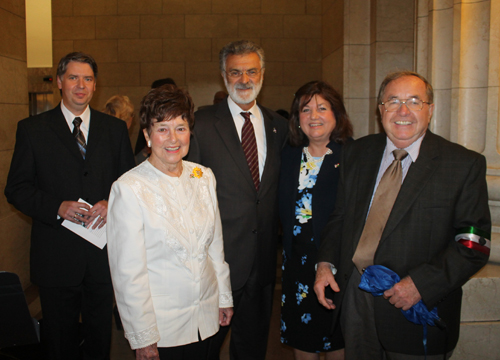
94 236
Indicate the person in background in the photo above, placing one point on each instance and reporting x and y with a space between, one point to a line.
284 113
69 153
309 174
165 242
417 204
241 141
121 107
220 96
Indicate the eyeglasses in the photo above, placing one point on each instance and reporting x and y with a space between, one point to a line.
413 104
235 74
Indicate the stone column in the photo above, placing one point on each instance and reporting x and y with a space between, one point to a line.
362 42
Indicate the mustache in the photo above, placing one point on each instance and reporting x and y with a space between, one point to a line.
241 86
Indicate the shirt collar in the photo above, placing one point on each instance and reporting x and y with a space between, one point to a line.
413 150
69 116
236 110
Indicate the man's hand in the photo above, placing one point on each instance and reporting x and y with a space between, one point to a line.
148 353
225 315
404 294
324 278
74 211
100 211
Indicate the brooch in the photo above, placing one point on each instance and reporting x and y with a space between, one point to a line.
197 173
274 130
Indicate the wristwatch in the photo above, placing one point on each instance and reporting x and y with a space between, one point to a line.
332 267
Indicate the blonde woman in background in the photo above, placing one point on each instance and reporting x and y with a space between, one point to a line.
121 107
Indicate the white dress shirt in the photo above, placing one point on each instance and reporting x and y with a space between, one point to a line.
257 120
413 150
85 116
166 255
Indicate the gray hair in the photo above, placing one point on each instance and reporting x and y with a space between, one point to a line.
240 47
78 57
399 74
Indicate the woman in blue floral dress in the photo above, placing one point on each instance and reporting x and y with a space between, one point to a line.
319 127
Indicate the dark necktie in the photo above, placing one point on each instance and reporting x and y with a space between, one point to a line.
80 138
249 145
383 201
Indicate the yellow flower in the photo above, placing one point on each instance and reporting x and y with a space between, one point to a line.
197 173
304 295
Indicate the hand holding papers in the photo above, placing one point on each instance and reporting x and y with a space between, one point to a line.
95 233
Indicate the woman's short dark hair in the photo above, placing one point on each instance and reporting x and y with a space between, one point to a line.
165 103
343 126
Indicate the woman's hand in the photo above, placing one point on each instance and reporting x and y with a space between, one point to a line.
148 353
225 315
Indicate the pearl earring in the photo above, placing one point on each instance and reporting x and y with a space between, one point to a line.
149 143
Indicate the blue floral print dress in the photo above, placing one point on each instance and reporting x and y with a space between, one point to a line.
305 324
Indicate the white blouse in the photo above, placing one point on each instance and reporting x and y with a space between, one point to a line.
166 255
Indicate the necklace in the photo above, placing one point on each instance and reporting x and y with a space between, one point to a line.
311 159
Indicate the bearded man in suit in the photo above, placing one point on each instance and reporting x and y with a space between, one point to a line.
60 156
435 237
245 160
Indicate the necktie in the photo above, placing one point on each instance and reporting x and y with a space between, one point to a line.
381 208
80 138
249 145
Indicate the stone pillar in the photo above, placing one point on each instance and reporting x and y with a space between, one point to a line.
362 42
458 51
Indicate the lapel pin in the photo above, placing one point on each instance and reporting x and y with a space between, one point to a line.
274 130
337 165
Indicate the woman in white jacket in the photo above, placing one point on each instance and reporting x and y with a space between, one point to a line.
165 244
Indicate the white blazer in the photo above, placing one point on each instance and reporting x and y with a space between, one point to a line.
166 255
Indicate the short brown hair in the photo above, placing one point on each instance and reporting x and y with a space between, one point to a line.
399 74
78 57
343 126
165 103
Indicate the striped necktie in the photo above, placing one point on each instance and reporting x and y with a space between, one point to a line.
80 138
249 145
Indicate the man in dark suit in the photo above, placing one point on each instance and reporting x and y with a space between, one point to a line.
246 190
62 155
435 236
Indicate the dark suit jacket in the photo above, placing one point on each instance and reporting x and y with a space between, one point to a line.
324 192
445 190
249 218
47 169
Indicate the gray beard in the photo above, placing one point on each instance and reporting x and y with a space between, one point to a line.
233 93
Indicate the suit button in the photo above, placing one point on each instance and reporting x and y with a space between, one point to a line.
254 231
346 277
257 202
85 173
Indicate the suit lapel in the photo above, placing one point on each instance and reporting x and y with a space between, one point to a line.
366 176
271 155
59 125
416 179
227 131
95 133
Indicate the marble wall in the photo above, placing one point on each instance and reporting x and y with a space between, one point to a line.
15 228
458 50
362 42
138 41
